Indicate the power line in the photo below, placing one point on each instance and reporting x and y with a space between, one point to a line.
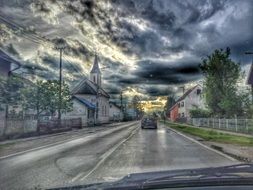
20 30
34 38
74 66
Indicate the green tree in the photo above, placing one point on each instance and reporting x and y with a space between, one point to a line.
221 83
169 103
44 97
137 105
10 95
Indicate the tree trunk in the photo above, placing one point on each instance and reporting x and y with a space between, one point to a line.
38 126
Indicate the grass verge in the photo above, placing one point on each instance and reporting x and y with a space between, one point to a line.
5 145
212 135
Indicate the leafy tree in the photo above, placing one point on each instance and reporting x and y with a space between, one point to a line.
44 97
10 95
221 83
137 105
169 103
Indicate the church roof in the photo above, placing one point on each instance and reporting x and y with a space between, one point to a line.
7 58
85 102
95 67
88 87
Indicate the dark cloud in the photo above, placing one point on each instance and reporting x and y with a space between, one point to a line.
150 72
153 31
158 91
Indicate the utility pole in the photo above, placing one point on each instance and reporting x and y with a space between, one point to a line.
60 80
250 81
121 101
60 45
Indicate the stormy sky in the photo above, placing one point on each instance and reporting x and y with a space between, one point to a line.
144 46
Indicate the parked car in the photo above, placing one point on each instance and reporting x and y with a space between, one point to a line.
149 123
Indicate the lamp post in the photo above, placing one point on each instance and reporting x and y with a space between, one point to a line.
60 45
250 82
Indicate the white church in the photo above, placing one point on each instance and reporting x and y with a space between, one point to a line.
90 100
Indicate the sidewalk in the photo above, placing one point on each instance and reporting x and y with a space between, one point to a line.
96 128
18 145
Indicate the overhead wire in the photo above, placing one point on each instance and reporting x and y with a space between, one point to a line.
21 31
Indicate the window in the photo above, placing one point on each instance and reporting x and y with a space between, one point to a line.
198 91
178 105
182 104
94 79
182 114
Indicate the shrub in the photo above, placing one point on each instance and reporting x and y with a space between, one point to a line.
200 113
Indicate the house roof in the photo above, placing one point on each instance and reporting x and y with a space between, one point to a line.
250 76
113 103
7 58
85 102
173 106
184 96
88 87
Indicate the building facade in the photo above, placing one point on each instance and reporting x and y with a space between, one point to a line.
95 97
115 113
192 98
174 112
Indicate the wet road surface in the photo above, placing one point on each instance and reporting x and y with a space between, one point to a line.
106 156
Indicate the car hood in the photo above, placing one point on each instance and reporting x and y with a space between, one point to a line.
235 174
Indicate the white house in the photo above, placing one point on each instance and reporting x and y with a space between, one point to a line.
82 109
91 101
192 98
115 113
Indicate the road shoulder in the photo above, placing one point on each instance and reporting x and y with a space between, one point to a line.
238 152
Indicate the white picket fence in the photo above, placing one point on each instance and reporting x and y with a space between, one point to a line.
235 125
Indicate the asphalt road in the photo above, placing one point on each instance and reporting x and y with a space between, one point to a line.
105 156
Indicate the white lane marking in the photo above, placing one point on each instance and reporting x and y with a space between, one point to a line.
205 146
60 142
104 157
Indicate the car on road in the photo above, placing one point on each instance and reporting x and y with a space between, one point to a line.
149 122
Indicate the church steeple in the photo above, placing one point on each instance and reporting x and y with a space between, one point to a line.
95 73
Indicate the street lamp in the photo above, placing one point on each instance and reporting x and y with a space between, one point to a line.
60 44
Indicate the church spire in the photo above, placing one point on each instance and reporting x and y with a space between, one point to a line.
95 73
95 67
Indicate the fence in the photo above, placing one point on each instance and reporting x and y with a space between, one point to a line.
18 126
63 123
22 126
234 125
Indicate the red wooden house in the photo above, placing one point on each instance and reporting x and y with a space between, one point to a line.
174 112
